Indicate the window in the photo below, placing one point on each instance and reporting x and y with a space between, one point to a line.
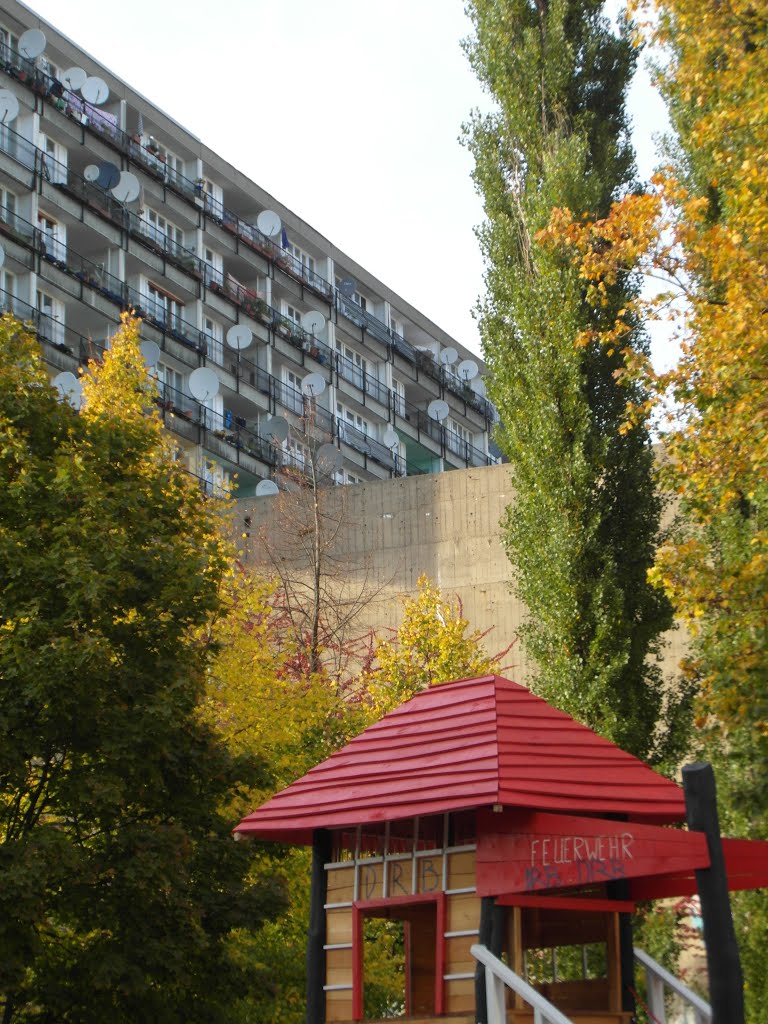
291 395
214 266
51 238
292 313
457 438
352 365
395 326
296 453
8 44
54 161
163 308
398 396
8 289
214 335
170 383
303 263
7 206
461 431
213 197
162 232
51 318
347 418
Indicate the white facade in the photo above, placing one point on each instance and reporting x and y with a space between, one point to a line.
188 256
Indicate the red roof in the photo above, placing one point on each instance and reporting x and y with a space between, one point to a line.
464 745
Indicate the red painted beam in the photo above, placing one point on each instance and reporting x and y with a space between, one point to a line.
524 851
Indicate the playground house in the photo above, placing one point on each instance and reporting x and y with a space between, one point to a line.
477 815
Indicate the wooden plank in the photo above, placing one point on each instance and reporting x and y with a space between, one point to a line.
371 884
338 960
577 903
338 926
458 959
338 1007
459 996
463 913
340 884
461 870
527 851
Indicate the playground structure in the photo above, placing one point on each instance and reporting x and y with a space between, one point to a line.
476 815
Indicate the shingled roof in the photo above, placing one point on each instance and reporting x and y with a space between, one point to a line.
464 745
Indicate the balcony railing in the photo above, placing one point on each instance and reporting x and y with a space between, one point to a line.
33 158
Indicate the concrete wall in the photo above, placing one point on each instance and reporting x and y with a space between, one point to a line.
445 525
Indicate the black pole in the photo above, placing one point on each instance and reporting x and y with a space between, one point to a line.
485 937
726 983
321 854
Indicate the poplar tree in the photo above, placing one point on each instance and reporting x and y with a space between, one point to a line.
583 526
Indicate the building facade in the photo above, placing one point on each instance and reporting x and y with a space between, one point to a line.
107 204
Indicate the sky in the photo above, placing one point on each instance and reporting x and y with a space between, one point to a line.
347 111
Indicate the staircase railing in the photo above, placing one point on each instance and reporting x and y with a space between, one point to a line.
497 977
658 980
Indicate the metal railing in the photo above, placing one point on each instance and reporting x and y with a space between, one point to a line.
499 977
658 980
104 124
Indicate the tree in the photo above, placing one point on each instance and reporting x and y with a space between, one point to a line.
431 646
702 229
582 530
321 590
120 883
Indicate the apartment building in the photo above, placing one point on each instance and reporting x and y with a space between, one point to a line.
269 344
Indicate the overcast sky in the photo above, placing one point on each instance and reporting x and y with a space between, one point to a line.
347 111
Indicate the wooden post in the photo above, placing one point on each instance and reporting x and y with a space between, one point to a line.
321 854
726 983
619 890
485 937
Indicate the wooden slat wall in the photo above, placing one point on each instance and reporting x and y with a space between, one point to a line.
462 915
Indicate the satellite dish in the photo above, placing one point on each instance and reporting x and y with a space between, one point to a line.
438 410
31 43
9 106
2 255
69 388
312 385
239 336
127 188
276 429
448 356
266 487
468 369
478 386
91 172
348 286
95 91
269 223
109 175
150 350
74 78
391 438
312 322
329 459
203 383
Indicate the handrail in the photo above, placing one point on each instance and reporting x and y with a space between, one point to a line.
656 978
498 975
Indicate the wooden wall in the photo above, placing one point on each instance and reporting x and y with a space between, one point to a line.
410 887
